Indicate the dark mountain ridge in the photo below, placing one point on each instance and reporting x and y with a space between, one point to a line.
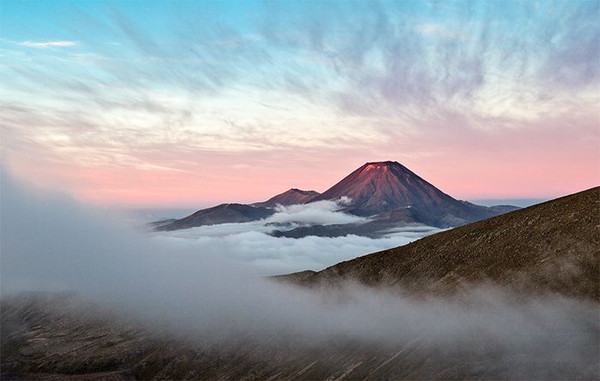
289 197
232 213
220 214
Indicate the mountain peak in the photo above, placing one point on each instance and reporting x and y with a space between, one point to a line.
382 166
387 163
383 186
385 189
289 197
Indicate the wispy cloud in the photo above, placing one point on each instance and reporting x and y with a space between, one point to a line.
49 44
341 80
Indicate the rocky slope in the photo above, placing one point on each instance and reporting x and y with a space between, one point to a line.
48 337
549 247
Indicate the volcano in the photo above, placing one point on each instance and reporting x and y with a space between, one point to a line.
387 192
384 186
390 191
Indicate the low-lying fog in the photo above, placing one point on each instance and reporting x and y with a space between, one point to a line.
269 255
51 243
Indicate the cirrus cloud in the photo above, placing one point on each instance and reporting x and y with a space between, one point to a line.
49 44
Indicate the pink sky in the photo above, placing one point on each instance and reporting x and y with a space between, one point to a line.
519 163
500 100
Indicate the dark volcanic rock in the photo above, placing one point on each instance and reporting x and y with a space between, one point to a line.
384 186
501 209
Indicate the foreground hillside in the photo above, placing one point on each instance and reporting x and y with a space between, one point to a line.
46 337
550 247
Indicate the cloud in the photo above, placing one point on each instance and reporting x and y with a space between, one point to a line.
273 256
49 44
250 242
315 213
346 80
574 49
50 243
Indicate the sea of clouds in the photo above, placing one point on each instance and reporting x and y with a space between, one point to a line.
251 242
200 288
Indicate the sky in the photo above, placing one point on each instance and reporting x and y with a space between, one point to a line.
192 103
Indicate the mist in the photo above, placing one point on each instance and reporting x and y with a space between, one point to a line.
51 243
250 241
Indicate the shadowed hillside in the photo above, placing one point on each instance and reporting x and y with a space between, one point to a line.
46 337
554 246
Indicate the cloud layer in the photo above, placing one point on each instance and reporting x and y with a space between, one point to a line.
50 243
320 212
250 242
48 44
